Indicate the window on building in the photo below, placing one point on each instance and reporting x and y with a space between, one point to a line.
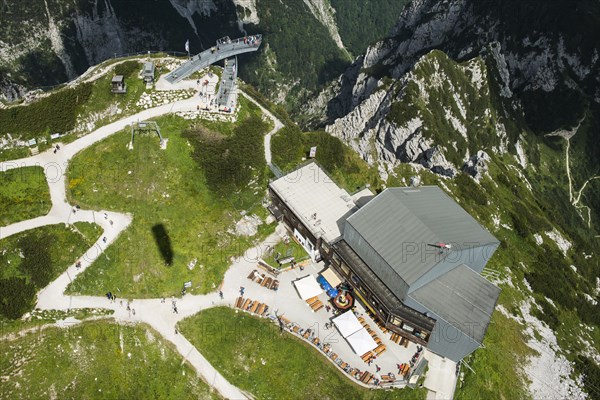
396 321
408 328
336 259
376 305
325 247
345 268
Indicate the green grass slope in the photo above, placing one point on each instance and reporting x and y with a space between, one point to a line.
24 194
32 259
96 360
253 355
184 200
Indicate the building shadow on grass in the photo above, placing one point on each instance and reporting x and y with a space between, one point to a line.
163 241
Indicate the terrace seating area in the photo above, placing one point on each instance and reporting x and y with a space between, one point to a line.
253 307
315 304
380 349
263 280
402 341
317 328
309 335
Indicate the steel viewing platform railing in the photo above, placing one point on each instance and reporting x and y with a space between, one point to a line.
223 49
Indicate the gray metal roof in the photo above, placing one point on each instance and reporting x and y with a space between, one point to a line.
316 200
403 225
149 67
381 291
462 298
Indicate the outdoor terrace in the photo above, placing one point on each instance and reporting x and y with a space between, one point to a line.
298 316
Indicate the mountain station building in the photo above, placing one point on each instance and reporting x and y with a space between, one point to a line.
412 255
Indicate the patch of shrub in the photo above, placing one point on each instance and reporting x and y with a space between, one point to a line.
127 68
16 297
590 372
230 162
527 220
287 147
37 263
55 113
470 190
548 314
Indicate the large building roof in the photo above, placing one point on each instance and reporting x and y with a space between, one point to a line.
316 200
406 226
461 297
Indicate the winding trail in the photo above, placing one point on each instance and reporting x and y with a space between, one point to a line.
154 312
574 194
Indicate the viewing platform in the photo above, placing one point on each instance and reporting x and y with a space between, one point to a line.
227 96
225 48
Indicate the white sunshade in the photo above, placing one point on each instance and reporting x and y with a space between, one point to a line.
361 341
331 277
347 323
308 287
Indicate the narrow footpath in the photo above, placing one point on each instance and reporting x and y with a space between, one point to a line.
154 312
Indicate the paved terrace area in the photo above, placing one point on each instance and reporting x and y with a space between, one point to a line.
286 302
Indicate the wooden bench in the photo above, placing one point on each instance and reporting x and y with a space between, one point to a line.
380 349
404 370
343 365
252 275
246 304
306 334
255 306
388 378
266 282
270 270
296 329
333 356
316 341
317 305
312 300
367 356
275 285
366 377
239 301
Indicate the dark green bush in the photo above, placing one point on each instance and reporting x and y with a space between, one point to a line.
55 113
127 68
287 147
548 314
16 297
37 262
469 189
230 162
590 372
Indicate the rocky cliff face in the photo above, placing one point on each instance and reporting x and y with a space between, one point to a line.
441 115
525 66
46 42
